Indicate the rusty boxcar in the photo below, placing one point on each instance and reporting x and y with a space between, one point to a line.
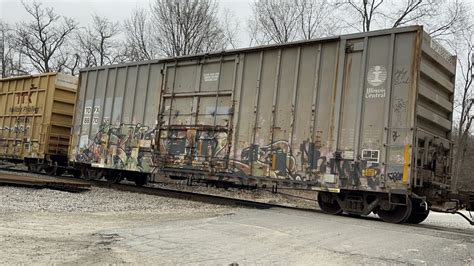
363 118
36 119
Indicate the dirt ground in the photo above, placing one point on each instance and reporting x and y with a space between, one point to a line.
105 226
51 227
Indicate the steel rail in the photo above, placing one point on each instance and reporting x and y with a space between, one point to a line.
179 194
204 198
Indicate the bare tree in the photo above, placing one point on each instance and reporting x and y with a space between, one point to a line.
230 27
140 37
10 58
187 26
5 53
255 33
439 17
366 11
275 20
85 49
71 61
279 21
97 45
465 100
42 38
315 18
448 18
411 11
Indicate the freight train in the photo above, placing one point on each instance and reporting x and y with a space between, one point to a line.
36 115
364 119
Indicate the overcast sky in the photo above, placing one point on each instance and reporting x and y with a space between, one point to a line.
12 11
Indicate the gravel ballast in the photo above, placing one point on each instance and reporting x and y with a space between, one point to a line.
16 199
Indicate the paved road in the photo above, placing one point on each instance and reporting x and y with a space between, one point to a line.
281 236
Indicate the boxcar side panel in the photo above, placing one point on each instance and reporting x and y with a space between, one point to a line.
196 113
35 115
398 158
261 146
305 140
335 114
374 112
116 117
248 79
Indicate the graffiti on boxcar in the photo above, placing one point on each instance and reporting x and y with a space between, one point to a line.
192 146
22 119
309 163
18 128
395 135
274 160
401 76
395 176
312 158
399 107
126 146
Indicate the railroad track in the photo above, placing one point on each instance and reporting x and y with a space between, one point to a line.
178 194
195 196
209 198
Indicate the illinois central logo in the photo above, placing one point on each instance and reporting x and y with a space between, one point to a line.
376 75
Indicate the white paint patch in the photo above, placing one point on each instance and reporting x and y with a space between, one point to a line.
145 143
348 155
329 178
211 76
83 141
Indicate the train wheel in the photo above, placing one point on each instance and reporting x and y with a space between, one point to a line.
51 169
60 171
35 168
140 180
113 178
418 213
328 203
396 213
89 173
76 173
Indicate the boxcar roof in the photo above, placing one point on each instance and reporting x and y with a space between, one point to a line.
263 47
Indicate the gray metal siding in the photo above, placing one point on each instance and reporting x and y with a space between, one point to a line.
116 116
299 106
339 113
